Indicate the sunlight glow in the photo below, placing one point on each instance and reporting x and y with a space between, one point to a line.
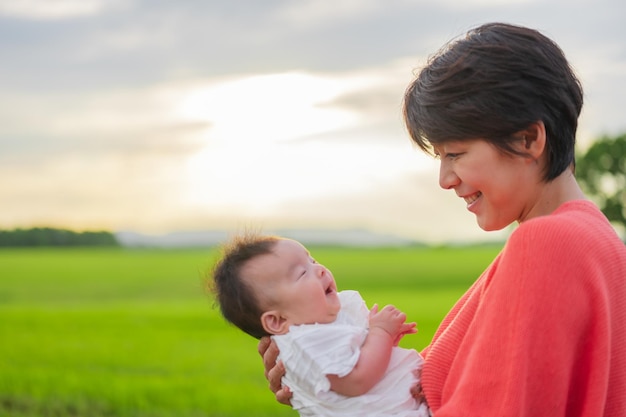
268 108
252 159
259 180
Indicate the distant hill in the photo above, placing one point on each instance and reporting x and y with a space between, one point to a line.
353 237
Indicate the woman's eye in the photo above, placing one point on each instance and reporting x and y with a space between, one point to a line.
447 155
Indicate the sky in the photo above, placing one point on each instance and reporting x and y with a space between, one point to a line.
159 116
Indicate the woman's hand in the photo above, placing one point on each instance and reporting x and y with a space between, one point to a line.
416 389
274 371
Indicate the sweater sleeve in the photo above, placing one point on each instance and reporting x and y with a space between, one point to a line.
518 356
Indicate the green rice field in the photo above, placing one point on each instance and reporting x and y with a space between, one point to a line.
121 332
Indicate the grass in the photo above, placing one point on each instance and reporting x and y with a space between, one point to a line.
114 332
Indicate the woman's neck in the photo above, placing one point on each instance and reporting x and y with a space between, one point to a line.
552 194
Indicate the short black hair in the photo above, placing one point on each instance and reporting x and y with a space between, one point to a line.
496 81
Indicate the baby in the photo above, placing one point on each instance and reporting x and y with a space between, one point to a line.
341 359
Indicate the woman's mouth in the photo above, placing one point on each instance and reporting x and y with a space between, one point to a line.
471 198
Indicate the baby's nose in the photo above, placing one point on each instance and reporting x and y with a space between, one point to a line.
321 271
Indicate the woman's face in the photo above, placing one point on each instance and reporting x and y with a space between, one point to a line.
498 188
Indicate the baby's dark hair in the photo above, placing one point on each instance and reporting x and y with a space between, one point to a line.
237 300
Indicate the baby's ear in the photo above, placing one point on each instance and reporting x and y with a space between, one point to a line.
274 323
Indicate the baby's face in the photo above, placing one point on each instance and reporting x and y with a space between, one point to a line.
291 282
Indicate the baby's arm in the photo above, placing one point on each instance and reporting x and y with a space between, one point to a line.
386 329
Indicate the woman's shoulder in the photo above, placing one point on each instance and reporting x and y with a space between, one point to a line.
575 232
576 222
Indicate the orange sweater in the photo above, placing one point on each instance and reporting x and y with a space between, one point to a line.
542 332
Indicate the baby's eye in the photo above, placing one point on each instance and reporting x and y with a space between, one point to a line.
301 272
313 260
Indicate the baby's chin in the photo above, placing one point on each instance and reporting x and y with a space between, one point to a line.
335 302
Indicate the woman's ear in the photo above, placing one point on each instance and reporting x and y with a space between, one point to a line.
533 139
274 323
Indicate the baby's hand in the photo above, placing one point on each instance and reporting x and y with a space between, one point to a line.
391 320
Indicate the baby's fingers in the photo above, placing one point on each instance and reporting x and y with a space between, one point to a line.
408 328
374 310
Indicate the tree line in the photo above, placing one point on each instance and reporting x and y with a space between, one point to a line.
601 171
47 236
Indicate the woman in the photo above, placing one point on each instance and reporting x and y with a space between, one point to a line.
542 332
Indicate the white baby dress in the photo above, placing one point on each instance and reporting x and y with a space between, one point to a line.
312 351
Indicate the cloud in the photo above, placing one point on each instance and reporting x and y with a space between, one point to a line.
53 9
92 124
382 97
306 14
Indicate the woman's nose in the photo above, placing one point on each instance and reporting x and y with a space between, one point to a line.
447 177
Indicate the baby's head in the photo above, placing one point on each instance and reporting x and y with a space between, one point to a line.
264 284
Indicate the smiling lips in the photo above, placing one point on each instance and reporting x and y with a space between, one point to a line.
471 198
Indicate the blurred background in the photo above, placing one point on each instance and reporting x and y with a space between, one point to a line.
164 118
174 123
